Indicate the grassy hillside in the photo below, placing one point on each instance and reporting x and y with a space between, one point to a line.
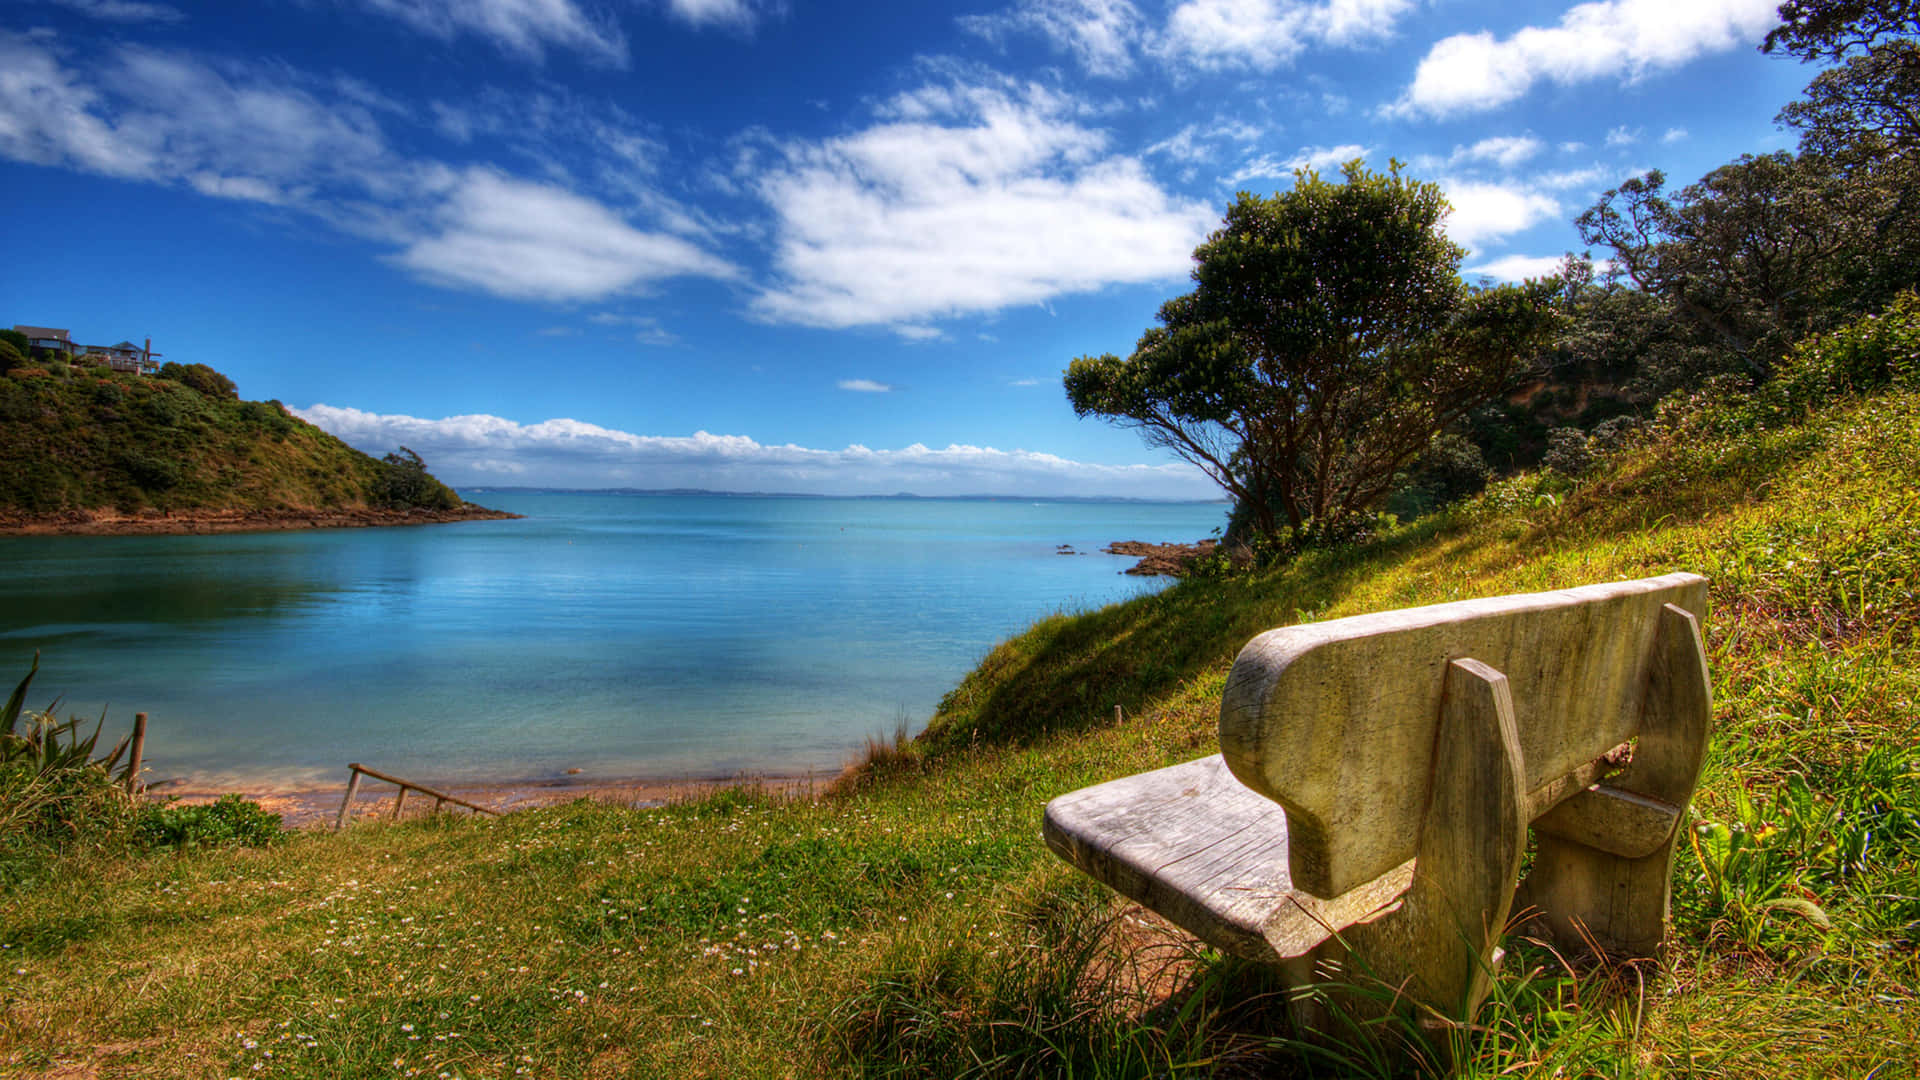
913 924
86 438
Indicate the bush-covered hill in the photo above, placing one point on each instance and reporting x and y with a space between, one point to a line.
80 438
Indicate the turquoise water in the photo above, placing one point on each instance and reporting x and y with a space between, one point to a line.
626 636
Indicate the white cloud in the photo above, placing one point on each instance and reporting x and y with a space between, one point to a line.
865 386
1505 151
1099 33
483 450
1023 382
734 14
1623 39
144 114
525 28
1674 135
527 240
1317 158
1518 267
128 11
1486 212
1265 34
1623 136
1573 178
963 199
265 134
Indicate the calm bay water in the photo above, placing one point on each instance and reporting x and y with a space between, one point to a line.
629 636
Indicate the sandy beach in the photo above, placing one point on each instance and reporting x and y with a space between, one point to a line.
319 807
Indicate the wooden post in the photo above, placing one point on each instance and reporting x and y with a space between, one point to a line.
437 804
139 747
399 801
1441 944
346 804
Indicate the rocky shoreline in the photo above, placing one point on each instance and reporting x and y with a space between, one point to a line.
1170 560
187 522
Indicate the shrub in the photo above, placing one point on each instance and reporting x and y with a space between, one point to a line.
53 791
1567 452
10 357
201 379
229 821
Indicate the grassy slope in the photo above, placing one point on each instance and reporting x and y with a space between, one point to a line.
99 440
917 926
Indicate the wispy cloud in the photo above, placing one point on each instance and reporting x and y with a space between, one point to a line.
523 28
267 134
481 450
865 386
1100 34
1272 166
1518 267
963 197
1266 34
1619 39
123 11
731 14
1505 151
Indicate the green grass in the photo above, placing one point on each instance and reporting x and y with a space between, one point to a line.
913 925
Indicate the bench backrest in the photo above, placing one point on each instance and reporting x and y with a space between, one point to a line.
1336 721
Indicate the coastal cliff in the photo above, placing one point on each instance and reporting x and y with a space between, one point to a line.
84 449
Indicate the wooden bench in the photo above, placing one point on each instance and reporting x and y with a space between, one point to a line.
1378 776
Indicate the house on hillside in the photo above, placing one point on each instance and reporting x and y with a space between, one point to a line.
46 337
125 356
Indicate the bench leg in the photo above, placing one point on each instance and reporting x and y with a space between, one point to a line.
1617 902
1439 947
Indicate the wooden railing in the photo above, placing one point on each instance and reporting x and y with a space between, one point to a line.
440 798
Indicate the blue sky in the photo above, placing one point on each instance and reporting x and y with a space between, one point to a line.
774 244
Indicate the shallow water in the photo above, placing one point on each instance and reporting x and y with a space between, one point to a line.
648 636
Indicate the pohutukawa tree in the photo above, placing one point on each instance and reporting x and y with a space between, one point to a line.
1328 339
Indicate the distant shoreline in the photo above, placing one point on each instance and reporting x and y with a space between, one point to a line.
194 522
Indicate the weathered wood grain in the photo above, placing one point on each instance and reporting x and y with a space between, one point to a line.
1336 720
1613 891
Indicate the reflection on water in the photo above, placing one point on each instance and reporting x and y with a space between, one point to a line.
631 636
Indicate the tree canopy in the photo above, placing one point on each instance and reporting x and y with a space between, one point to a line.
1765 250
1328 339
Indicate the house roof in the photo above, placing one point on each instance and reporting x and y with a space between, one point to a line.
41 332
127 346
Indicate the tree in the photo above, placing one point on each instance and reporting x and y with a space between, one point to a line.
1328 339
403 482
1830 29
1753 255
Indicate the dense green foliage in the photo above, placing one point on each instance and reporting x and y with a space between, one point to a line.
227 820
1327 340
201 379
403 481
91 439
